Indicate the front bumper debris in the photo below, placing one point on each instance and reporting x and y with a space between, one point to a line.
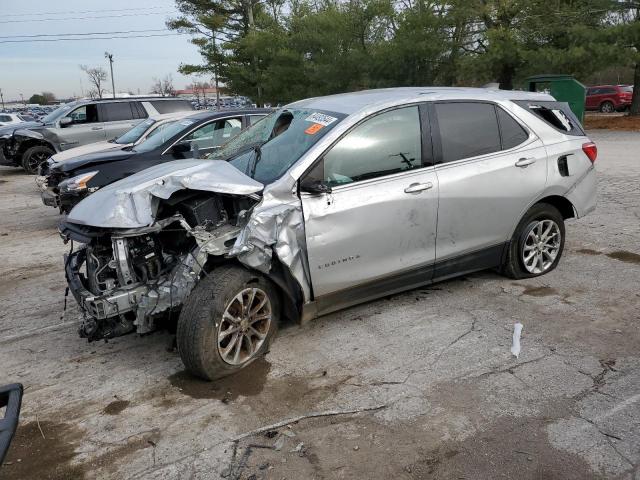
133 307
11 398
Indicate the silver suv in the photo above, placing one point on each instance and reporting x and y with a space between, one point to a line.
28 145
326 203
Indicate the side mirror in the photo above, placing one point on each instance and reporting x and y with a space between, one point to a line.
316 187
182 147
65 122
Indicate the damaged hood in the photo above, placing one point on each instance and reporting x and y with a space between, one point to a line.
97 158
133 201
13 127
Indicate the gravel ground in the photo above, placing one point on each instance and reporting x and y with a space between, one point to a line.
417 385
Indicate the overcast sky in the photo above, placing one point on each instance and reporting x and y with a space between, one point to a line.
32 67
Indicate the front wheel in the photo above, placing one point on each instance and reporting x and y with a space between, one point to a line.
33 157
227 322
537 243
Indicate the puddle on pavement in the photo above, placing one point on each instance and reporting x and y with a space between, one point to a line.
116 407
624 256
538 291
34 457
588 251
247 382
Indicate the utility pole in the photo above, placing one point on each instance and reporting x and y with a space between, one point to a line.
22 97
109 56
2 98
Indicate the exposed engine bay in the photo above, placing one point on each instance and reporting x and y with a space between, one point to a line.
125 279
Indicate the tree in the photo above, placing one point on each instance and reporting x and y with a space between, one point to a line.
625 34
212 23
163 86
37 99
45 98
96 76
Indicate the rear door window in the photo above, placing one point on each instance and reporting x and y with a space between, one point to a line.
467 129
117 111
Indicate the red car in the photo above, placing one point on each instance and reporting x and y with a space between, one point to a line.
609 98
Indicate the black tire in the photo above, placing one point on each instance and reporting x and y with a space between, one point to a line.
197 332
607 107
513 266
33 157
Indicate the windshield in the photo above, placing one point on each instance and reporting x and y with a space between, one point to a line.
162 134
271 146
627 89
133 135
58 113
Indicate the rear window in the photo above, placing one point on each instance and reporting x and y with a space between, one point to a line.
171 106
556 114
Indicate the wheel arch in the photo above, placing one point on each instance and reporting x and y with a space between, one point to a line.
563 204
291 298
26 144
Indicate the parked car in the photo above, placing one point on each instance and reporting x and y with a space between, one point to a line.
66 183
10 402
78 123
13 118
138 134
326 203
609 98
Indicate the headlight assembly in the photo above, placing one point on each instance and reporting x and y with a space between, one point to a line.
78 183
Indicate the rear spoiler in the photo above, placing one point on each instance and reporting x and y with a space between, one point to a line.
11 398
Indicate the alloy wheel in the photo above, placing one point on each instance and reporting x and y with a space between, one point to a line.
244 326
541 246
36 159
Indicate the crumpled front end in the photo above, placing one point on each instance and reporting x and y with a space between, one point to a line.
276 225
151 237
124 280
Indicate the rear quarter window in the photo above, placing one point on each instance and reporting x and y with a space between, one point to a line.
555 114
171 106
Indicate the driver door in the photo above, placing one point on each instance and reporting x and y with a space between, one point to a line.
87 127
375 232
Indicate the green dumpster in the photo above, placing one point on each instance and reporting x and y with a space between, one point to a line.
564 88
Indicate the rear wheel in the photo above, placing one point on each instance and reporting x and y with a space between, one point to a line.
537 244
227 322
607 107
33 157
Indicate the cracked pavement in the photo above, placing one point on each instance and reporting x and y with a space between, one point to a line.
416 385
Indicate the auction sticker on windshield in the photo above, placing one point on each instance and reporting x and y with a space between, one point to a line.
321 119
313 129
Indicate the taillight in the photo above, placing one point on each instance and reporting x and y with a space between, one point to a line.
590 150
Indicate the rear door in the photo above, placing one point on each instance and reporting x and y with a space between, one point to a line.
120 117
490 167
378 225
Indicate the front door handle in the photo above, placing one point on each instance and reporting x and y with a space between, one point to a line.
525 162
96 128
418 187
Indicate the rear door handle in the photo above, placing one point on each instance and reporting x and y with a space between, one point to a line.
525 162
418 187
96 128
